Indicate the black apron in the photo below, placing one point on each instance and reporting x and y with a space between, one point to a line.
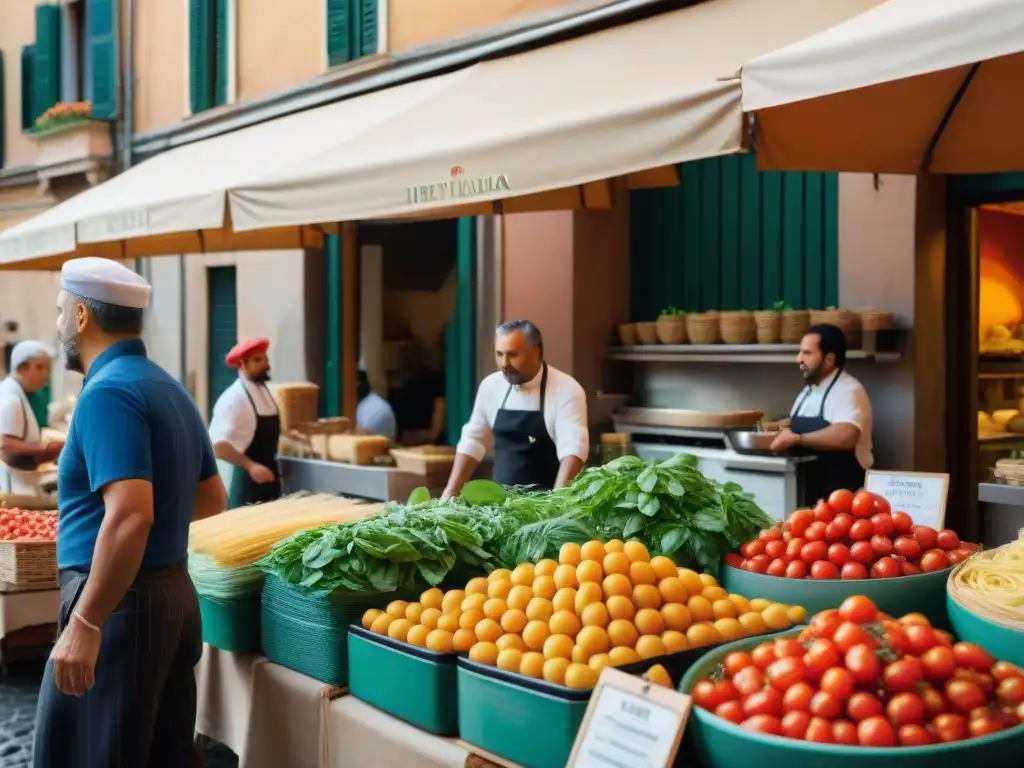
833 470
524 453
22 462
262 450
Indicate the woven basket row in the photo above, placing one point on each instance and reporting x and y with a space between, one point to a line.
742 327
30 564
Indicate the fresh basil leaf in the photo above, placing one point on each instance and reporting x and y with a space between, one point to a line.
418 496
647 480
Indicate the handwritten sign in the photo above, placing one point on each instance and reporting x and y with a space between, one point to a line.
630 722
922 495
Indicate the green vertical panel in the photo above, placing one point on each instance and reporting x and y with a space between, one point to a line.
692 175
466 302
221 51
711 235
40 404
28 90
730 238
103 46
330 393
364 28
771 237
3 110
750 235
814 244
222 330
830 235
793 239
673 278
642 233
46 74
339 36
200 31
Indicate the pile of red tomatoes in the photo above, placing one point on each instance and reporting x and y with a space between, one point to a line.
856 676
850 536
27 525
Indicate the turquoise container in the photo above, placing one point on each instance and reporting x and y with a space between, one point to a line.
411 683
924 593
231 625
721 744
1003 643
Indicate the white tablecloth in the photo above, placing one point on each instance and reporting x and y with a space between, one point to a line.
28 609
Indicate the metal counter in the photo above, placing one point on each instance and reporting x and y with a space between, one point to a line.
375 483
1001 513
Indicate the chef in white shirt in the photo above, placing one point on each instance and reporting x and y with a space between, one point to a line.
21 447
831 418
533 415
246 426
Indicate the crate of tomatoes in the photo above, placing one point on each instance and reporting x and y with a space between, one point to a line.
28 549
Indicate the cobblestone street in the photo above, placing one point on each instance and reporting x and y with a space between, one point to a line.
18 691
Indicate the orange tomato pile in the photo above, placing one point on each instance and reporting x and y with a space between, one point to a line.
27 525
850 536
855 676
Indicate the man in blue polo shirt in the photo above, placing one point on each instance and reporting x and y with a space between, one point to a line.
138 467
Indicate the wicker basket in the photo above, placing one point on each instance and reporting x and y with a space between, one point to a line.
297 404
29 563
793 325
841 318
875 319
769 326
431 462
738 327
647 333
703 327
627 334
671 329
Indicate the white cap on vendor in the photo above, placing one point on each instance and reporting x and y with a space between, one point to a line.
105 280
29 350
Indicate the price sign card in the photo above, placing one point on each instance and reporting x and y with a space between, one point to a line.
922 495
630 723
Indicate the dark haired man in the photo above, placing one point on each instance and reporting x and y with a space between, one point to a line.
119 687
534 415
831 418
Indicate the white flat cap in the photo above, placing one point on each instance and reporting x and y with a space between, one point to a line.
105 280
28 350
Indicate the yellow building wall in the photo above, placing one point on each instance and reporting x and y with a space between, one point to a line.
280 44
17 29
161 63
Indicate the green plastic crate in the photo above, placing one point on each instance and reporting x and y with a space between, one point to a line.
382 672
232 625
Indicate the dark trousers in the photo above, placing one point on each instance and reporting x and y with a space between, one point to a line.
141 713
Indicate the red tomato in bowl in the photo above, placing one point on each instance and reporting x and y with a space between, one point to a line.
824 569
926 536
853 570
841 500
934 560
823 512
885 568
863 505
947 539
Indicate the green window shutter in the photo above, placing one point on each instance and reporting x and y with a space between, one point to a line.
364 28
460 334
339 40
200 31
46 75
3 109
222 330
330 392
101 40
221 47
28 91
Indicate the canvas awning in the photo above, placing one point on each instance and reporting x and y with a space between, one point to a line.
910 86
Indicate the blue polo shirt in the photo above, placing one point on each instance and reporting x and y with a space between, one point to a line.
132 421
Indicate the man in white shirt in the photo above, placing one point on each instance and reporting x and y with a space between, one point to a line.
374 414
533 415
21 448
246 426
831 417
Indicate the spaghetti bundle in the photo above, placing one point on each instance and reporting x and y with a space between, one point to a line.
991 584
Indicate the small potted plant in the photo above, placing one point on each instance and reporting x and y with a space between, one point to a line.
671 326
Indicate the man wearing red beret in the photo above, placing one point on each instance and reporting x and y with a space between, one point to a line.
246 426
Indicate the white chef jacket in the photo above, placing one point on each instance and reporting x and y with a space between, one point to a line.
375 415
565 413
847 403
234 420
16 420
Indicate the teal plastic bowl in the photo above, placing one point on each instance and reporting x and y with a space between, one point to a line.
1002 642
924 593
722 744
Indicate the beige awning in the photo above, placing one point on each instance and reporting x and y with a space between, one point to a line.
911 86
652 93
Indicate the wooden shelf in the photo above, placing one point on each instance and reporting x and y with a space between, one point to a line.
1000 368
730 353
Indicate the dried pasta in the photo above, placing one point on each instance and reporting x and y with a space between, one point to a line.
991 584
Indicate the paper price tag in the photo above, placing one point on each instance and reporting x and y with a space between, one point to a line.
922 495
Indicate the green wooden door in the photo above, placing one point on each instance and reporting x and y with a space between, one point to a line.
730 237
222 329
460 334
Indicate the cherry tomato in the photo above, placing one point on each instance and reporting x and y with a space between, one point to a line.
821 655
816 531
823 569
824 623
766 702
763 724
1002 670
703 693
964 695
904 546
736 661
794 724
784 673
938 662
862 530
794 546
950 727
896 637
906 709
902 523
848 635
823 513
903 675
838 681
863 705
1010 691
944 638
908 568
777 567
934 702
947 539
841 501
834 531
883 524
882 545
813 551
788 647
858 609
853 570
758 563
925 536
861 552
973 656
934 560
796 570
799 520
876 732
775 548
731 711
819 730
982 726
882 506
824 704
986 682
913 736
763 655
844 732
749 681
752 548
863 505
962 552
885 568
798 698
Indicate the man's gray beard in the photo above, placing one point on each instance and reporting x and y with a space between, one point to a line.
514 378
72 357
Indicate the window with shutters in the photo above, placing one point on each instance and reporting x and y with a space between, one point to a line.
211 52
352 30
28 88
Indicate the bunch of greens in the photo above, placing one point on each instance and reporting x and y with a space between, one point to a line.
670 506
